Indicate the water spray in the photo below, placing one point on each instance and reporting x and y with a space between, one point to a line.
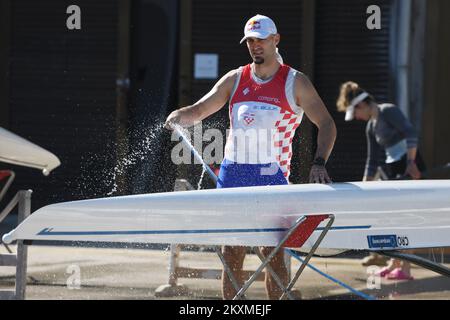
196 155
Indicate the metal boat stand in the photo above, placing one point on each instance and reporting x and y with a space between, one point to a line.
295 237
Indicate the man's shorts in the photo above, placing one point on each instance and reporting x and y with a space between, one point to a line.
235 175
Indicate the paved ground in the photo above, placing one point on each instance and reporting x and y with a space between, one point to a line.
107 273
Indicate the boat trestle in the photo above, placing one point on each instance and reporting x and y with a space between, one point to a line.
295 237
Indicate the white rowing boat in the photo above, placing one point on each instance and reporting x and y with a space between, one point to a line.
388 215
19 151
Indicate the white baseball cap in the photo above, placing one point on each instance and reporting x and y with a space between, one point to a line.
350 113
260 27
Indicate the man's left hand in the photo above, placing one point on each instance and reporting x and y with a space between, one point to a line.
319 174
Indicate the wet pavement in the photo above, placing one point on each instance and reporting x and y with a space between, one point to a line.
59 272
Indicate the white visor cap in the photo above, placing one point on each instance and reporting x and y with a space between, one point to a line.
350 113
260 27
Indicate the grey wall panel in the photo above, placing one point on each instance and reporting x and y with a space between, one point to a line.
347 50
63 94
153 94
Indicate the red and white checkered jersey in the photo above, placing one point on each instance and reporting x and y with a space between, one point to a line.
263 119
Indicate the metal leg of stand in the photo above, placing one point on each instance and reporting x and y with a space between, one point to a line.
274 274
7 184
252 279
228 270
310 254
22 249
7 247
173 264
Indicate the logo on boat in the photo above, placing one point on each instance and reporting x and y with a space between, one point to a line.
388 242
382 242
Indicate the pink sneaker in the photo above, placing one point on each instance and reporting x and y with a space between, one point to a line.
383 272
398 274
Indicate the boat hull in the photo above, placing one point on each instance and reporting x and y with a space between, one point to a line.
388 215
19 151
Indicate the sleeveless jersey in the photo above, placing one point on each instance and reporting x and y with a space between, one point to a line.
263 119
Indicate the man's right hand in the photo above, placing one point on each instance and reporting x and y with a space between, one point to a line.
206 106
172 120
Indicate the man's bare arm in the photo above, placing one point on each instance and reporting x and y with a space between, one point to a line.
308 98
212 102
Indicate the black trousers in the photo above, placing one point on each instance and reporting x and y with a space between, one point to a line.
396 170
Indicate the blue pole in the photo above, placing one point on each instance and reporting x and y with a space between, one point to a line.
346 286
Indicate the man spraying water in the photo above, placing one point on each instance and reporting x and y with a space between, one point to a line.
267 101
